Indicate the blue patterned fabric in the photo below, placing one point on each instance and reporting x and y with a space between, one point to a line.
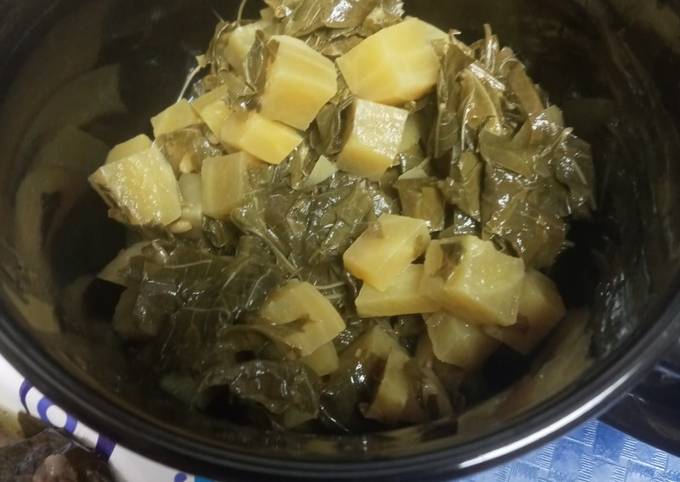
594 452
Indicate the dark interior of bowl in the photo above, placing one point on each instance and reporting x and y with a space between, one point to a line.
104 68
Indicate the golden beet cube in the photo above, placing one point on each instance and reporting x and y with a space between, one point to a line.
403 297
225 183
191 187
300 81
474 281
240 41
412 134
386 249
458 342
176 117
540 310
319 321
393 392
129 148
213 109
396 65
269 141
324 360
376 342
374 139
141 189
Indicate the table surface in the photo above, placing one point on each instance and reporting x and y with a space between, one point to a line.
593 452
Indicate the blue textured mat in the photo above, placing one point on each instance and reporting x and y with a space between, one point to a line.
594 452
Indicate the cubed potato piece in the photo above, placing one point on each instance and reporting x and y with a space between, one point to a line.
540 310
541 303
412 134
225 184
458 342
473 280
398 400
191 187
241 40
396 65
300 81
376 342
270 141
386 249
215 116
375 134
393 392
301 302
212 108
141 190
129 148
401 298
323 169
209 98
323 361
114 272
176 117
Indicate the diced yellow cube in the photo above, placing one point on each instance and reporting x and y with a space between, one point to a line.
129 148
401 298
412 134
176 117
268 140
324 360
213 109
458 342
226 183
300 81
376 342
373 143
396 65
191 187
141 189
267 15
540 310
241 40
393 392
209 98
386 249
473 280
399 400
541 302
323 169
319 321
215 116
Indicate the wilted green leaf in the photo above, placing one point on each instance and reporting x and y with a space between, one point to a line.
463 188
278 386
422 199
177 282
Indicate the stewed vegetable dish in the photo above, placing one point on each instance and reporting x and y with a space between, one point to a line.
344 217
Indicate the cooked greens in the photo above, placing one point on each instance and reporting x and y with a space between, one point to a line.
344 220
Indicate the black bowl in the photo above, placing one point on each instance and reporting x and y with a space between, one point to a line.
78 76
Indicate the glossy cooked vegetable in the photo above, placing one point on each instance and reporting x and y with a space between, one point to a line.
344 221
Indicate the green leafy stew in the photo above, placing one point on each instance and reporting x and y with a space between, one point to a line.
343 218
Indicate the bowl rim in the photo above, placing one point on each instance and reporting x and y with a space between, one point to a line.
590 397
